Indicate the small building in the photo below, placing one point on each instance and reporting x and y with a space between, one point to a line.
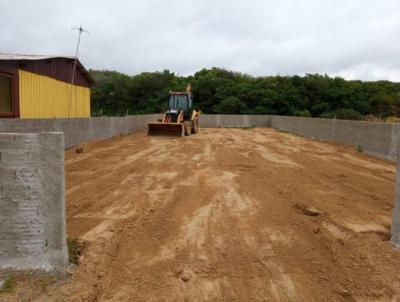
35 86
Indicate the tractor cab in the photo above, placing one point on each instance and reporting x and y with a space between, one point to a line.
180 101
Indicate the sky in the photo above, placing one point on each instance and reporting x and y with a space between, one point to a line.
354 39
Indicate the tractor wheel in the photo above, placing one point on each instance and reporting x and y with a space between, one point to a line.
186 125
195 125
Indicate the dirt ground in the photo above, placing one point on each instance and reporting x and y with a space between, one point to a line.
226 215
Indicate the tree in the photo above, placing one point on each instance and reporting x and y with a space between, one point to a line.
383 105
319 108
218 90
231 105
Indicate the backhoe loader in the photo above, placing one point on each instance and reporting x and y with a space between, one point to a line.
180 119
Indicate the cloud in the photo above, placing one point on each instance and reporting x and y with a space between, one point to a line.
356 39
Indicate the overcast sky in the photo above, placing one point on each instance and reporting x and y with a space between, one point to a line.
356 39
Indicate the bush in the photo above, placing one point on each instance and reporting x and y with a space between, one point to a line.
319 109
343 114
302 113
260 110
328 115
348 114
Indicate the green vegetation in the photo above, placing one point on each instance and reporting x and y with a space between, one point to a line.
74 250
222 91
9 285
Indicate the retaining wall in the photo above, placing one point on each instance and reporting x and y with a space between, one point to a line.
395 228
220 120
377 139
32 202
79 130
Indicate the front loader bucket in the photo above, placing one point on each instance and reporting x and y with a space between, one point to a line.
166 129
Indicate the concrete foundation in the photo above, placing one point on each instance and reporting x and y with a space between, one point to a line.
32 202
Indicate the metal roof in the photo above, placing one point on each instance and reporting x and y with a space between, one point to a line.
22 57
17 57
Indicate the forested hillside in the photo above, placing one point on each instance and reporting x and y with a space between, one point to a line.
221 91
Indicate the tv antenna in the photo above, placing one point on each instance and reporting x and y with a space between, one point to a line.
81 30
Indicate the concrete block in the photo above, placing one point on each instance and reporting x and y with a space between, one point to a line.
32 202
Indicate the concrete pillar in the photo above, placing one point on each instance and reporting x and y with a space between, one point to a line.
395 231
32 202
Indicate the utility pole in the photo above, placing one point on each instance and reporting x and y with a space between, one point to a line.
80 30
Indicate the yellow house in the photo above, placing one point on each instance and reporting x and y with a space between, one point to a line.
34 87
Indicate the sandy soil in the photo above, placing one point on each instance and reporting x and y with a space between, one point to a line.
227 215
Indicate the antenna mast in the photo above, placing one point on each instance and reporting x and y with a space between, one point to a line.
80 30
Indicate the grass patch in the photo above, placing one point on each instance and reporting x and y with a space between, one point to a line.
360 149
74 250
9 285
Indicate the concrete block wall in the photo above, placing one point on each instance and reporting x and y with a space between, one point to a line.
378 139
221 120
395 228
32 202
80 130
